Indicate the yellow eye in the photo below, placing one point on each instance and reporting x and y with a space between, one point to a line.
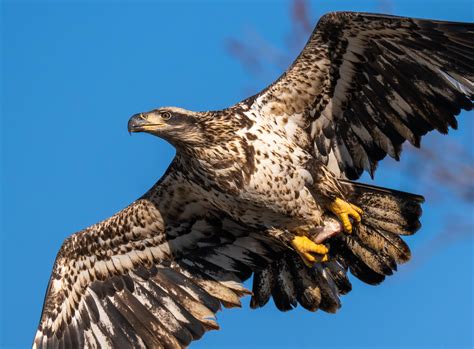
166 115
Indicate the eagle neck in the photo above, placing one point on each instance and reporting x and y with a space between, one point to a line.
224 166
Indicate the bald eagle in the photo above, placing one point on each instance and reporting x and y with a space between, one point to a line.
266 188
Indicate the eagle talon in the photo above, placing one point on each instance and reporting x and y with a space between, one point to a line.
343 210
309 251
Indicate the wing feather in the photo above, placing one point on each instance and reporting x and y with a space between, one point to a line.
367 83
136 281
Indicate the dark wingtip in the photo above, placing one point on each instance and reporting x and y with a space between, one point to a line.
416 226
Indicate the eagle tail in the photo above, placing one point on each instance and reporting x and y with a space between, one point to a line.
386 210
376 247
370 253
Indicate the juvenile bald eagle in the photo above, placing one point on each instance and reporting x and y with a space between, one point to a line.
264 188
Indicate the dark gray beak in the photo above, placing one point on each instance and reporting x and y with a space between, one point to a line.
136 123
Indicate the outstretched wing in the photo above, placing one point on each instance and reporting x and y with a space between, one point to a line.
365 83
151 276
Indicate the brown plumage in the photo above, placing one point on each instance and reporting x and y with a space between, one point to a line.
247 178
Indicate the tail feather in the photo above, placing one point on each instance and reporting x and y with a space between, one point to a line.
387 215
375 247
384 209
378 261
370 253
355 265
391 244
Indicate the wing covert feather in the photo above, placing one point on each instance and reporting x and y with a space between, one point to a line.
142 278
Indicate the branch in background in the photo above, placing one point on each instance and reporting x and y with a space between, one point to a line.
447 168
442 169
242 53
300 14
385 6
301 25
263 60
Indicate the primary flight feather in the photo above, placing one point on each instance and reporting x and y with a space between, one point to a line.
264 188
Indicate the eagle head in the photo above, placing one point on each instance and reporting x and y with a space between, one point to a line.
178 126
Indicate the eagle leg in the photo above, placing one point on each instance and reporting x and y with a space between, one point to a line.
309 251
343 210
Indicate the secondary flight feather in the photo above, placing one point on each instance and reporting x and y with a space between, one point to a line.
264 188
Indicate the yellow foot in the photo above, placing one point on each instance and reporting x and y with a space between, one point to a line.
343 210
309 251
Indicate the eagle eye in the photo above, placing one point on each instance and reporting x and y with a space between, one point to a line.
166 115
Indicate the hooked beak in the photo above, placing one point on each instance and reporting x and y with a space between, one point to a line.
144 122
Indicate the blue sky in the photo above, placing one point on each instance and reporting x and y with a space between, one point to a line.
73 73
